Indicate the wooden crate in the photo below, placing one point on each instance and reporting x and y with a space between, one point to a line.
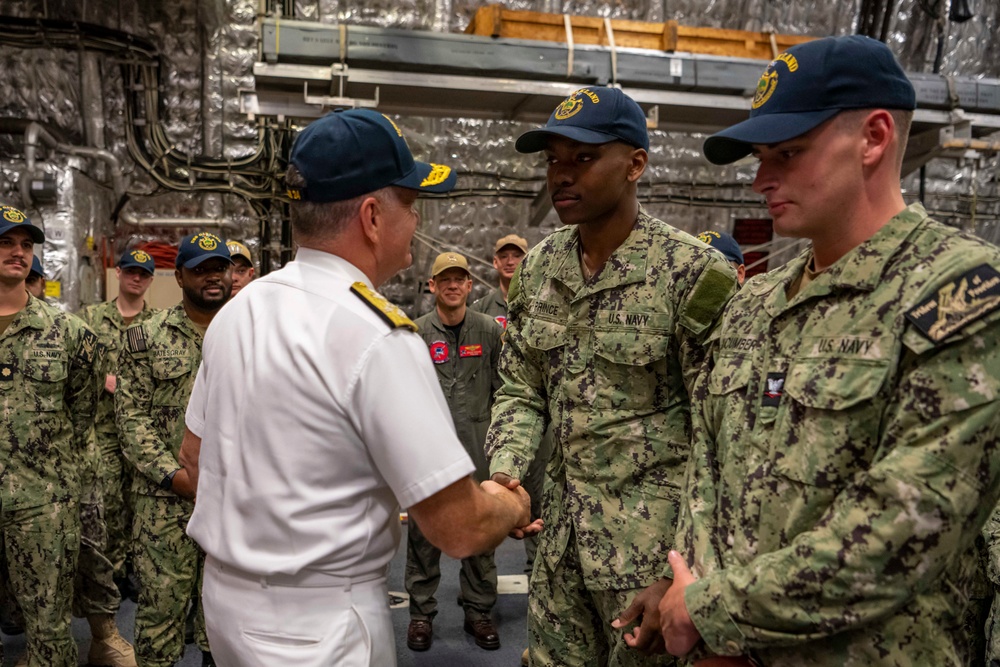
498 21
732 43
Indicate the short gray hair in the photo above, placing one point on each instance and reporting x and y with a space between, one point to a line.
316 221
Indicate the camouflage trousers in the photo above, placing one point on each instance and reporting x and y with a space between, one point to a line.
570 626
41 545
170 566
534 484
116 485
94 590
477 579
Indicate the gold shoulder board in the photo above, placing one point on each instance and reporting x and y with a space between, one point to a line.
389 312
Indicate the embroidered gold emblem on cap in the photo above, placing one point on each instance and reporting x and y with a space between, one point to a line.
13 215
207 241
439 174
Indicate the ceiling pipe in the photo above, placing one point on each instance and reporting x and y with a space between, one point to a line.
35 133
130 218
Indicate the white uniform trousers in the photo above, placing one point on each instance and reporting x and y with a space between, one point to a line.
308 620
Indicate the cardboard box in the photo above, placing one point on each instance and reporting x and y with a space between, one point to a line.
163 293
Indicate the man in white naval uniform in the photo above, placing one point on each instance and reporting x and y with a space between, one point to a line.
317 413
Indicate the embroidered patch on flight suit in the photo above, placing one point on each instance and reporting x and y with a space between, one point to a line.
136 339
439 351
501 320
975 294
389 312
470 351
775 388
88 351
7 372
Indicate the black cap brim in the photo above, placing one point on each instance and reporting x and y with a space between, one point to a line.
427 177
737 141
533 141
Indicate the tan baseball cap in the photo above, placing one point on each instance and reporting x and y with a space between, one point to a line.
511 239
449 260
237 249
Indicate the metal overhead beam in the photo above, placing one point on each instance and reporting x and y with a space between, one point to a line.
422 73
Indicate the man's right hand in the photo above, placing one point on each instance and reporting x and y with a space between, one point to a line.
503 479
509 483
110 383
512 494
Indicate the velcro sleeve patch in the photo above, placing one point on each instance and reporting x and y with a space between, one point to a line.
389 312
88 350
712 291
958 303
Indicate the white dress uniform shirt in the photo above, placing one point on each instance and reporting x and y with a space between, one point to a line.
315 418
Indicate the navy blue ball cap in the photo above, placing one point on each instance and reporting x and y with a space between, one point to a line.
724 243
810 83
12 218
591 116
36 266
139 258
197 248
346 154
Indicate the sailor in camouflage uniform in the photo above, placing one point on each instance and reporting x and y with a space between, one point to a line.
845 453
604 333
109 320
155 376
508 252
49 378
106 509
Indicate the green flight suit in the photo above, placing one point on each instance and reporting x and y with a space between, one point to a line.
467 371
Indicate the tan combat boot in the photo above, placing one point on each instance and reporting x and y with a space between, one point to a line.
107 647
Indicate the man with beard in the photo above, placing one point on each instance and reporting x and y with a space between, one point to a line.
155 376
